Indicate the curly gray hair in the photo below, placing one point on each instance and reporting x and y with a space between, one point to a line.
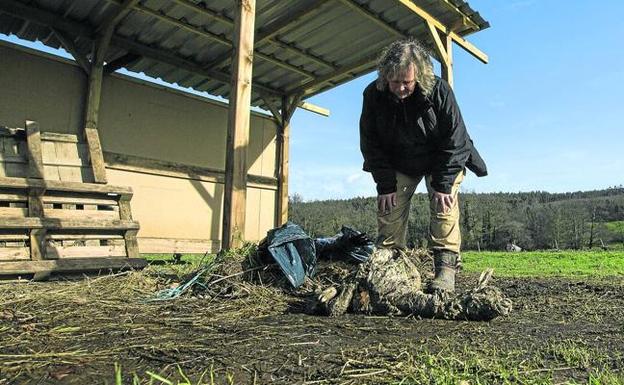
398 56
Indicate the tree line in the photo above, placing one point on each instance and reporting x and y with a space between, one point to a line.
489 221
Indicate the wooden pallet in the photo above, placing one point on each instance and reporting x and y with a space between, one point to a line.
51 218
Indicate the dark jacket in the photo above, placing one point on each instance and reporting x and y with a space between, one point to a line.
416 136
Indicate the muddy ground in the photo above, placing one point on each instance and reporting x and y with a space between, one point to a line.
73 332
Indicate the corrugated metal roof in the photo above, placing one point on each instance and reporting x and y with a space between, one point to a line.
302 45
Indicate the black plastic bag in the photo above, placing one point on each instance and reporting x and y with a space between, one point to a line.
347 244
293 250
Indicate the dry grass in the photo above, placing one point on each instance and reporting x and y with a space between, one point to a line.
242 325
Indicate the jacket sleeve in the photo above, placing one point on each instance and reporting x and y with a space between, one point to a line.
375 160
453 142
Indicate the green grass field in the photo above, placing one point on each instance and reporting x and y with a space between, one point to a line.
568 263
565 263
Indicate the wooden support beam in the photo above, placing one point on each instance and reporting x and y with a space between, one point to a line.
469 47
439 46
105 31
35 157
447 67
120 62
68 44
314 108
273 108
289 105
94 91
235 194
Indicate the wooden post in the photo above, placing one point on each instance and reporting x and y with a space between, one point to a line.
447 67
35 157
94 92
35 202
443 46
235 194
283 148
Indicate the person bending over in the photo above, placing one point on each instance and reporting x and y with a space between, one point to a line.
411 128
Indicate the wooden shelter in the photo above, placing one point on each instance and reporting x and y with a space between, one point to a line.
271 54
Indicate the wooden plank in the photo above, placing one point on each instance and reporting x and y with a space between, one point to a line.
160 167
35 158
68 154
13 254
13 237
95 154
57 251
67 224
125 211
77 199
23 183
51 173
18 212
70 174
81 214
13 197
131 246
48 152
177 170
235 195
88 224
70 264
58 137
20 223
314 108
83 237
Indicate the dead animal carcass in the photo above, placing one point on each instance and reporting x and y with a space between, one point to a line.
389 284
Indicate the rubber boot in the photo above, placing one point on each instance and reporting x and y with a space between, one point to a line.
445 263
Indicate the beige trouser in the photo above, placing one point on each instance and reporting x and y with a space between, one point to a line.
444 231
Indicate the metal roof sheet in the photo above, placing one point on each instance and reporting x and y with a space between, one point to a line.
301 45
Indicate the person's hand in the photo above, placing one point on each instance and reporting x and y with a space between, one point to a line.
444 200
385 202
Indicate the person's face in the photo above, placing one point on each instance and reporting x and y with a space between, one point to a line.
402 84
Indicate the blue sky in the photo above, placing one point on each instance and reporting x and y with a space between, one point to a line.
545 113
